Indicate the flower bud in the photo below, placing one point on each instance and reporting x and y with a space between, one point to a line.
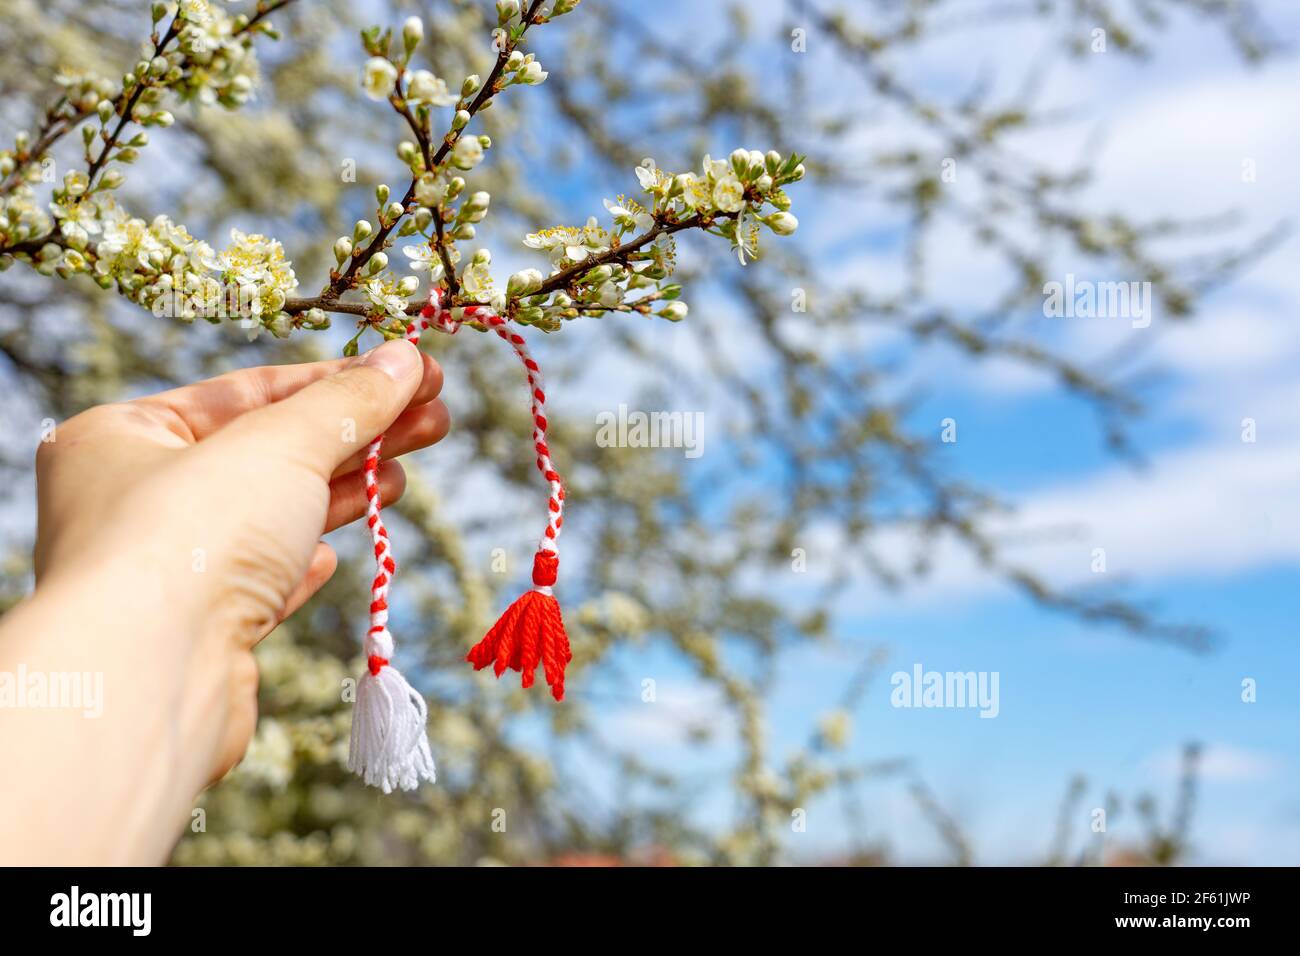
361 230
429 190
782 223
75 183
471 85
381 193
740 162
378 263
460 120
609 294
531 74
674 311
412 33
342 249
524 282
408 286
467 153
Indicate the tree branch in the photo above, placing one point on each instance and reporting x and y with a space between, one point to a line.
341 282
51 132
127 103
621 254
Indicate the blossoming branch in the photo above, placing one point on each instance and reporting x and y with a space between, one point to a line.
205 54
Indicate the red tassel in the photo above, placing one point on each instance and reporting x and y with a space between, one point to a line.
531 631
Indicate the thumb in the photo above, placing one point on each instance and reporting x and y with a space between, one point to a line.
330 420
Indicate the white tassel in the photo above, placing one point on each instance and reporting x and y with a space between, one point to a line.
390 745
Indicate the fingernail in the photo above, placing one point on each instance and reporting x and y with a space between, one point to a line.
397 359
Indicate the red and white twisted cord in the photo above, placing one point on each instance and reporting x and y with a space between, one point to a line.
390 746
379 643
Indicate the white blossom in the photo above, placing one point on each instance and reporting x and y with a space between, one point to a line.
630 216
476 280
257 268
385 296
729 194
424 87
430 190
378 78
571 244
467 153
531 73
424 259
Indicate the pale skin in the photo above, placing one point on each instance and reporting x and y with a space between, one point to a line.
174 533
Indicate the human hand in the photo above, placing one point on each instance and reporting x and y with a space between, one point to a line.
186 525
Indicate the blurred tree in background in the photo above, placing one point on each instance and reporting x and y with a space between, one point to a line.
662 564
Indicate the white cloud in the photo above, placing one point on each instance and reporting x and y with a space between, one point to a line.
677 711
1218 763
1216 508
1190 142
1208 511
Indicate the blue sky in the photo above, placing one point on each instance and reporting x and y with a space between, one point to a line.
1205 531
